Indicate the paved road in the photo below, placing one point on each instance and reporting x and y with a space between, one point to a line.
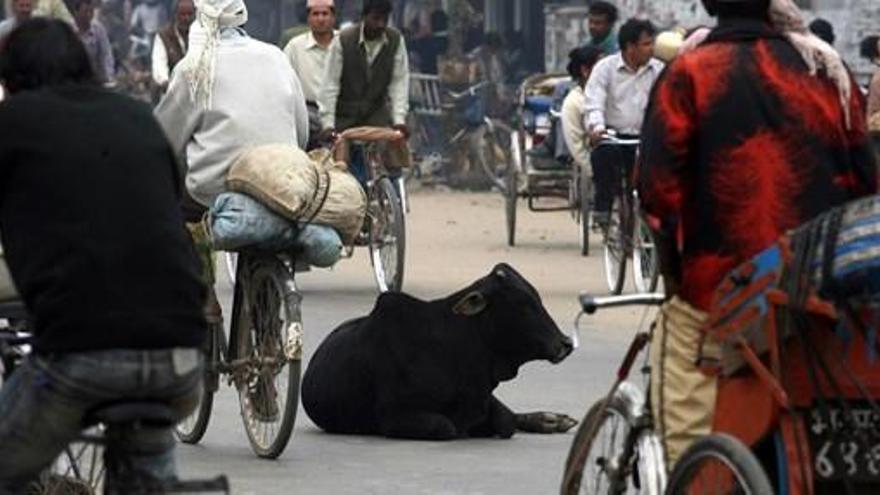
453 238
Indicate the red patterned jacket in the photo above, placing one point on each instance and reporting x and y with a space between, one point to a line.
740 144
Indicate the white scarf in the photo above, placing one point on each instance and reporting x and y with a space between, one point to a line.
199 64
817 54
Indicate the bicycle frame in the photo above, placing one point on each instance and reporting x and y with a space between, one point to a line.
640 410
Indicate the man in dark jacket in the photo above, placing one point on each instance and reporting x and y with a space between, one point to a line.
367 79
95 242
740 144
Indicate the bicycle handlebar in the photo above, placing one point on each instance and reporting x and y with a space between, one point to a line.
612 140
471 91
590 304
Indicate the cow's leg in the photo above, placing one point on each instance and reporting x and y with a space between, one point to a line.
500 421
544 422
417 425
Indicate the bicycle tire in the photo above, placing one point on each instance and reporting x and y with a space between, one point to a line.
616 251
387 258
487 156
191 430
270 309
645 456
645 266
584 197
732 454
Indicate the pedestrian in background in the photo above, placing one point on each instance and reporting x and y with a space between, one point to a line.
823 30
93 35
602 18
54 9
308 55
22 10
172 43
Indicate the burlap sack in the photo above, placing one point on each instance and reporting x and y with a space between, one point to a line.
345 205
7 288
287 181
282 177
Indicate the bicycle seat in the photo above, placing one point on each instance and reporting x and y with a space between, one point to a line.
151 413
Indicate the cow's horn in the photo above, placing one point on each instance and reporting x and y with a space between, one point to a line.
471 304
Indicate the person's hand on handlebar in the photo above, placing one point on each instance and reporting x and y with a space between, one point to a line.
403 129
328 136
597 134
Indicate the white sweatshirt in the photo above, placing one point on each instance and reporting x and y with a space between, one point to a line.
257 99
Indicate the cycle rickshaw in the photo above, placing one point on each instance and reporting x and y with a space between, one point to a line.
545 182
798 378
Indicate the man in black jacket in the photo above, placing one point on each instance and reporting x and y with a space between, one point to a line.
89 194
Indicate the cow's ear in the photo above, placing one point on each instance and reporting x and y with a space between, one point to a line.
472 304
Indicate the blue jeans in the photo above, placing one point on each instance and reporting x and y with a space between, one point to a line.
43 404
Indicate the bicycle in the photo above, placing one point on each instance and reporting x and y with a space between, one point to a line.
616 440
98 460
262 357
482 135
384 229
627 235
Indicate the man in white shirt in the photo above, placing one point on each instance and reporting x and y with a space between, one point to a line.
170 48
308 54
616 97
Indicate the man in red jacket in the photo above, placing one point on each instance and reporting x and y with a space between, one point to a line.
740 143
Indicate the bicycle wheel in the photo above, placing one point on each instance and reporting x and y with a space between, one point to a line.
493 160
387 236
585 196
269 350
79 470
616 240
192 428
646 267
611 455
718 464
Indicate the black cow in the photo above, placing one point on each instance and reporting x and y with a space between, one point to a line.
426 370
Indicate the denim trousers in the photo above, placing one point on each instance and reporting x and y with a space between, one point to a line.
608 162
44 403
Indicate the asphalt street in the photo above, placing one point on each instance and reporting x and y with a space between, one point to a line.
453 239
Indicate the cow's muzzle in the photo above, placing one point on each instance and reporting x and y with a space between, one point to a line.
564 349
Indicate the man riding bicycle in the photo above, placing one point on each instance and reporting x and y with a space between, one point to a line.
742 141
228 93
616 96
367 79
92 231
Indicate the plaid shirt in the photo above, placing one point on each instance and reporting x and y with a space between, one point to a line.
739 145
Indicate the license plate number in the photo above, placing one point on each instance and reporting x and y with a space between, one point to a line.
845 449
